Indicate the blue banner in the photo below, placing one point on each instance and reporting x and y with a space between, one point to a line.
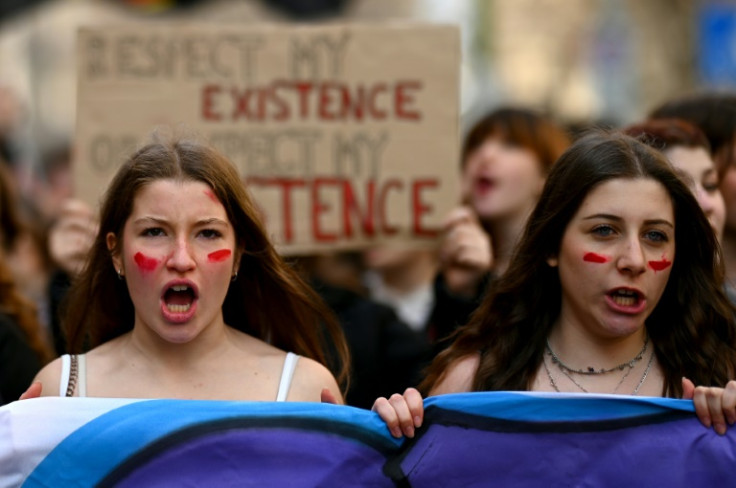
474 439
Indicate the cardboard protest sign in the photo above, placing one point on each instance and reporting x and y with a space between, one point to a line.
345 134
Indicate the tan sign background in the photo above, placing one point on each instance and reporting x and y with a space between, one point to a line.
346 135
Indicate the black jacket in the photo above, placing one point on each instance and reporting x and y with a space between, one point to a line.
18 362
387 356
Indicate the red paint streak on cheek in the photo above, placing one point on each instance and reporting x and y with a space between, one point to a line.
211 196
221 255
144 262
660 265
592 257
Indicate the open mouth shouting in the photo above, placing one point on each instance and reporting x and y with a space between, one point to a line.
483 184
626 300
179 300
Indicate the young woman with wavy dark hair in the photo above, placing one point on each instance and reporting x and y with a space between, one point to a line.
184 296
616 287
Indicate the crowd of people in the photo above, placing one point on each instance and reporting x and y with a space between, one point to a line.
602 262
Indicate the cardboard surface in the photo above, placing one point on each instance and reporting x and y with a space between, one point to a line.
346 134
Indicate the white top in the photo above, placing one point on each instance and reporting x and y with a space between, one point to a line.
413 307
287 373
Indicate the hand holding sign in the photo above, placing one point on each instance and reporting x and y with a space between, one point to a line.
466 254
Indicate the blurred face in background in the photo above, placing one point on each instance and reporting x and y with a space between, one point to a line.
501 180
728 190
699 171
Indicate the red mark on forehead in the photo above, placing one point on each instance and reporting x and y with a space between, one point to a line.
661 264
144 262
592 257
211 196
221 255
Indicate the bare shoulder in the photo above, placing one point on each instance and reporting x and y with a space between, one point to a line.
459 376
49 377
310 378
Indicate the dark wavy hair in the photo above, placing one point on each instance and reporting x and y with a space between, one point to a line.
692 326
268 300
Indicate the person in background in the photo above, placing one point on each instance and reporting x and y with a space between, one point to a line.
687 148
616 288
402 277
70 239
23 349
24 247
689 152
184 296
715 115
386 355
505 159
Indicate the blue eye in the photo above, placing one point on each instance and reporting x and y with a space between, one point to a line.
657 236
603 230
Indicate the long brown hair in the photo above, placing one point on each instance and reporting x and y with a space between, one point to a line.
268 300
23 312
692 327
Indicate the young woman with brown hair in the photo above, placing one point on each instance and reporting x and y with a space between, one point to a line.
183 295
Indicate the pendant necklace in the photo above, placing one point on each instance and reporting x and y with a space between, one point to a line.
591 370
567 371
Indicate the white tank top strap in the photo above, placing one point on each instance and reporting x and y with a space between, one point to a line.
286 375
65 368
82 380
74 369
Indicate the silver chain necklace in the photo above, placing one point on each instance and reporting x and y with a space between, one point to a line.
553 383
591 370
